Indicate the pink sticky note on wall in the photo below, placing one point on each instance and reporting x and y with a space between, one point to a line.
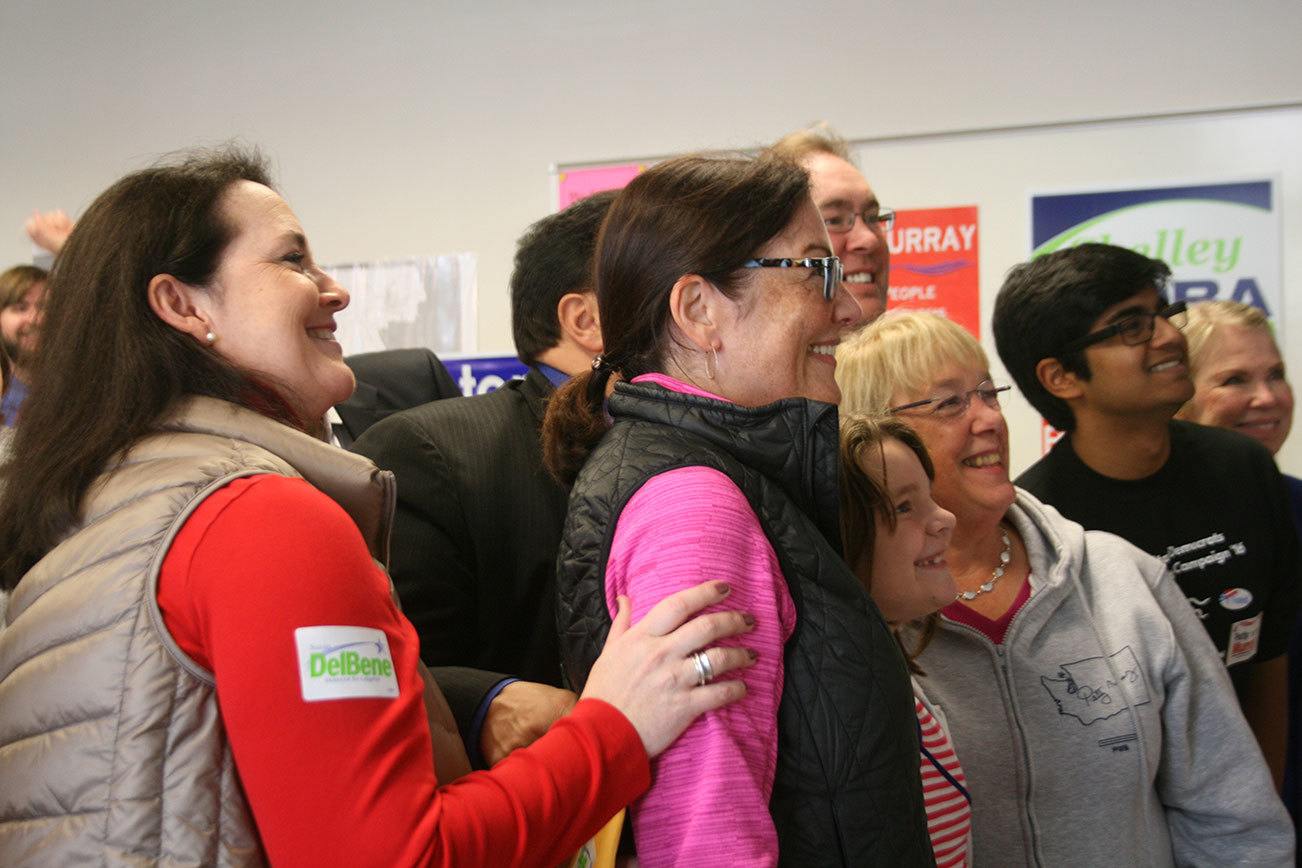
577 183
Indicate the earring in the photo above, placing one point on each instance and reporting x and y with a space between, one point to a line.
210 338
711 363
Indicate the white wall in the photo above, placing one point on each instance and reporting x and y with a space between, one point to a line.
403 128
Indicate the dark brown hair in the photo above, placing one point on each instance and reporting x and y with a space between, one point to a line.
865 497
701 214
107 366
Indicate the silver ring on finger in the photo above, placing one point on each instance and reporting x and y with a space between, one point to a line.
704 669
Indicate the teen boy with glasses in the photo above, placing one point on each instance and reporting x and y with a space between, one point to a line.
1091 340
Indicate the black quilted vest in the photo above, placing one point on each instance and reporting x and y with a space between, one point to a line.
848 788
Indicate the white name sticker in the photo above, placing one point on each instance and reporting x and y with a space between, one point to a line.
344 663
1243 640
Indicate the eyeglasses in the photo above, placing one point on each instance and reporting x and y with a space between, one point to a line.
951 405
840 220
830 266
1135 329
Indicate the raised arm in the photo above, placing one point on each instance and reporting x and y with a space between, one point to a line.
49 229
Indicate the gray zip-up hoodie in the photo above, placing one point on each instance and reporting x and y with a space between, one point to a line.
1104 730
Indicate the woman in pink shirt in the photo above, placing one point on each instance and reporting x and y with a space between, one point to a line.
721 308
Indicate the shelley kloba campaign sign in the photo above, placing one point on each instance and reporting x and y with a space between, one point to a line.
1222 241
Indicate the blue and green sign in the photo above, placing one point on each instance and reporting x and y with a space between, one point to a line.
1222 241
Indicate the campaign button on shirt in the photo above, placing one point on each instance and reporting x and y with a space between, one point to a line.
1235 599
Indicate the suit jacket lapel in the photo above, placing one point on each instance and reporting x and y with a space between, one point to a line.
537 389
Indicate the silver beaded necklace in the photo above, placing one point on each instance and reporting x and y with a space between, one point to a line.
1004 557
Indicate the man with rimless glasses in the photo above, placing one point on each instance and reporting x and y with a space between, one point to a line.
856 222
1092 340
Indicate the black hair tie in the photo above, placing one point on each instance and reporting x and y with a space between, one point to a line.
601 371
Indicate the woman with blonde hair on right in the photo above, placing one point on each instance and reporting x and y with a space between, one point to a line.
1239 379
1096 722
1240 383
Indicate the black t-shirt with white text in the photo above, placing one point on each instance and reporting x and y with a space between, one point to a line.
1216 513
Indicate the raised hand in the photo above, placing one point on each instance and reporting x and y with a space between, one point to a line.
49 230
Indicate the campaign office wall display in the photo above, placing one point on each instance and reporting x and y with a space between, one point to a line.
1002 169
934 264
933 250
1222 241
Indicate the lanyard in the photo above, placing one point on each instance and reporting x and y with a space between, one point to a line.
962 790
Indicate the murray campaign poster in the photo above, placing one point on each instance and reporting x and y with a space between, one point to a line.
934 264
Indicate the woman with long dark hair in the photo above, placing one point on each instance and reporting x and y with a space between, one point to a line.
721 306
203 663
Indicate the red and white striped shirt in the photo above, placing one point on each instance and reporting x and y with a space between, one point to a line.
944 790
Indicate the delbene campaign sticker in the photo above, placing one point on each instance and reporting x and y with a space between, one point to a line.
337 662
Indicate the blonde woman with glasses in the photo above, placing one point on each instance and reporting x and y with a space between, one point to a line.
1095 720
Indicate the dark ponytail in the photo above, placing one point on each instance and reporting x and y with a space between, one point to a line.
575 421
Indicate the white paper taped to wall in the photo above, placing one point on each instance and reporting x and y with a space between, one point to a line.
421 301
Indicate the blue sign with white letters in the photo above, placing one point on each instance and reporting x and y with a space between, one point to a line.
479 375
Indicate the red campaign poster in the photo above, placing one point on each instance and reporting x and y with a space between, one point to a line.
934 264
574 184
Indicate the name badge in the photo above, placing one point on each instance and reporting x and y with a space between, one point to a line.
336 662
1243 640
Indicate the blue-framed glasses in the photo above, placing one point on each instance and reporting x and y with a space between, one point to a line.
829 266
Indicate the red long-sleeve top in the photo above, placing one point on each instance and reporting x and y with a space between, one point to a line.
352 781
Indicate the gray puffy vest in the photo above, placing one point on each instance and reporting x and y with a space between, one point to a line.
848 788
112 749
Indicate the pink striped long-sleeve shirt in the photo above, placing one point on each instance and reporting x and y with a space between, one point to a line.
708 802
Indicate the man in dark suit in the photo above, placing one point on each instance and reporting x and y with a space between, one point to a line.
490 720
479 520
389 381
